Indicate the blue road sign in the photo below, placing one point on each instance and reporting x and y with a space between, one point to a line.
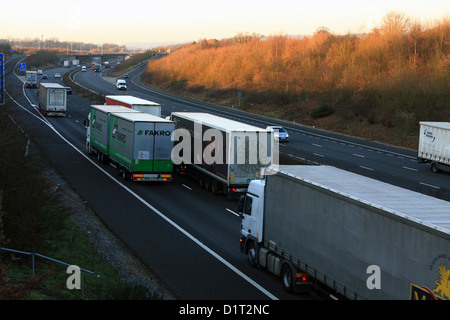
2 81
22 66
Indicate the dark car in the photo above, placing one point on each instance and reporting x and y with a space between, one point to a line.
44 77
69 90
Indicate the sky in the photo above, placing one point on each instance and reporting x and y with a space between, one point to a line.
173 21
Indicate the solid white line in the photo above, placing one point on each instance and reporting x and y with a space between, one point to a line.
176 226
232 212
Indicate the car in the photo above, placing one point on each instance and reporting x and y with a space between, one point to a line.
44 77
280 134
125 76
69 90
57 75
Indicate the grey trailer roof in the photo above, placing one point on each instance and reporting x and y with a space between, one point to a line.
441 125
51 85
140 117
417 207
132 100
217 122
113 108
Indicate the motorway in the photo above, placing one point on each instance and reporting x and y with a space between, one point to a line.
187 237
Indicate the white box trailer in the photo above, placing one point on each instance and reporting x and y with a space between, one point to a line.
434 145
238 142
354 237
31 79
53 99
135 103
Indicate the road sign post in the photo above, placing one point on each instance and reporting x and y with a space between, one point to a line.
2 80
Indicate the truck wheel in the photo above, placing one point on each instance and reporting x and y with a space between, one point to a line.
208 184
214 187
287 278
251 254
201 181
434 167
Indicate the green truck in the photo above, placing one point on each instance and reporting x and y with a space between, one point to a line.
137 144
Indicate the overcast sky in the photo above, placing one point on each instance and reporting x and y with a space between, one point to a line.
128 21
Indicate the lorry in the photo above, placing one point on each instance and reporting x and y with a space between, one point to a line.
137 144
31 79
134 103
434 145
327 230
97 68
67 63
107 64
53 99
223 164
121 84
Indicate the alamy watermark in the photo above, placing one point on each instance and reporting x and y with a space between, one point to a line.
249 150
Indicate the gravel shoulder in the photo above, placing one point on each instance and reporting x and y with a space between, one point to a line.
126 264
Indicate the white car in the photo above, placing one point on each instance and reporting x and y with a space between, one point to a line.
57 75
280 134
83 69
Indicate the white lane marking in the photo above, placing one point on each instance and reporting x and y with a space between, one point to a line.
186 186
366 168
359 155
408 168
429 185
232 212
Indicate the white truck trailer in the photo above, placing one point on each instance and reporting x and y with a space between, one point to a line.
319 227
31 79
134 103
434 145
236 155
138 144
52 99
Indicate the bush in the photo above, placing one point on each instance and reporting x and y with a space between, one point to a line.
322 112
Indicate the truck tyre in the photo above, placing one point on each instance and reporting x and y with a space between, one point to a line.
287 278
201 181
208 184
214 186
251 254
434 167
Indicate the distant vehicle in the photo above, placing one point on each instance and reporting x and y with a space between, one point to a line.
280 134
434 145
69 90
97 68
107 64
125 76
83 69
57 75
121 84
44 77
31 79
39 72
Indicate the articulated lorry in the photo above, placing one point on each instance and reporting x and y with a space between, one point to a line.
53 99
135 103
434 145
31 79
224 155
325 229
137 144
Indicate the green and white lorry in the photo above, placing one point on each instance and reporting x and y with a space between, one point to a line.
137 144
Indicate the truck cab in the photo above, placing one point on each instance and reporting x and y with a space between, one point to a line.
251 210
